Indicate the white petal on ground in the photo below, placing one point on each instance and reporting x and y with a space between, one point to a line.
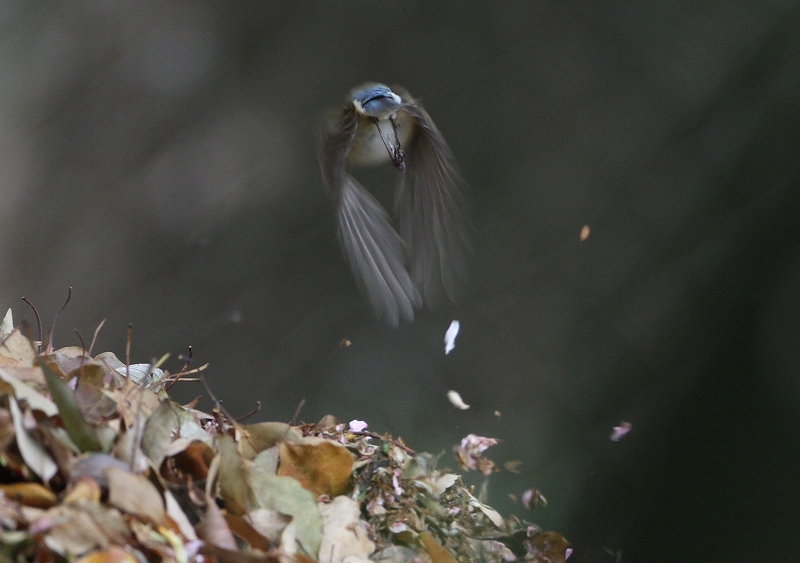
357 425
456 400
450 337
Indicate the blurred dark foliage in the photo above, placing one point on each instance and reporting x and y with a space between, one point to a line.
159 157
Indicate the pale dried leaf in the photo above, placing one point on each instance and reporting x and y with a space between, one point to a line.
7 325
268 523
25 392
176 513
135 495
71 531
35 456
233 476
94 467
168 423
287 496
18 348
261 436
343 536
490 512
215 530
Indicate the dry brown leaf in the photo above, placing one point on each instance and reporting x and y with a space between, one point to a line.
68 359
242 528
108 519
90 394
7 432
72 530
255 438
83 490
169 430
29 494
53 439
163 541
220 555
214 529
233 476
323 468
134 402
191 459
437 552
113 554
135 495
551 545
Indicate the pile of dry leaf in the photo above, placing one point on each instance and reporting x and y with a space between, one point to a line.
98 465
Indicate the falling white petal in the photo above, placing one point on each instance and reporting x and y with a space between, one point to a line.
450 336
456 400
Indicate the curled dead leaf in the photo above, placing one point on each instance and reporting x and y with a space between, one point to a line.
323 468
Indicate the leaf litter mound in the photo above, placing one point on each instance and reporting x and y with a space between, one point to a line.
98 465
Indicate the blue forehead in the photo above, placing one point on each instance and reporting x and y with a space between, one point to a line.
376 100
375 91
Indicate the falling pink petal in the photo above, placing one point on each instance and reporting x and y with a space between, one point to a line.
470 453
620 431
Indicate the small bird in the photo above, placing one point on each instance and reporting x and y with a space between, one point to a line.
426 260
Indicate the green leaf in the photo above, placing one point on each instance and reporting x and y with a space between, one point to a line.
286 496
75 424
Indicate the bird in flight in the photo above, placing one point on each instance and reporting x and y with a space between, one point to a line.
423 261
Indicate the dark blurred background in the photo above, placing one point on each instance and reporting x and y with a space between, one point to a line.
159 158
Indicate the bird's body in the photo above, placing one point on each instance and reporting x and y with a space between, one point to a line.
377 125
368 148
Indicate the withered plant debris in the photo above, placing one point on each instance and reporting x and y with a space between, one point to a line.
98 465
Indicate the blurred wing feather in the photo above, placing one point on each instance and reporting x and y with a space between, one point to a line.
431 208
373 247
375 252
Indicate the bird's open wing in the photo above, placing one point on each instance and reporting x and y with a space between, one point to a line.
373 247
338 131
432 211
375 252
